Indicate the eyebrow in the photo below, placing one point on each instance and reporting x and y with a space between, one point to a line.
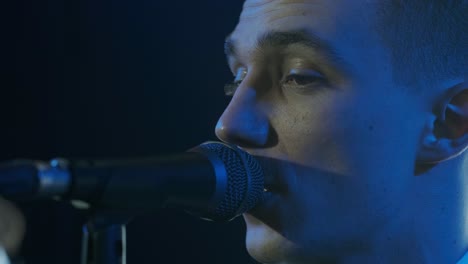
285 39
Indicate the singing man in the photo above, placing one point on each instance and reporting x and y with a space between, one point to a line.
363 106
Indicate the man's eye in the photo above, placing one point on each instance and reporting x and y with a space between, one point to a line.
293 80
301 80
230 88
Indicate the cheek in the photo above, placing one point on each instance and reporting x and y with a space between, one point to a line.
349 158
378 141
348 135
314 133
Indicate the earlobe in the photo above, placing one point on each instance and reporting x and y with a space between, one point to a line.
446 131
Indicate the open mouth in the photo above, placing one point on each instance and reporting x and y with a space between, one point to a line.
272 170
270 193
275 181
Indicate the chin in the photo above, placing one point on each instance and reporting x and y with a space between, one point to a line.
266 245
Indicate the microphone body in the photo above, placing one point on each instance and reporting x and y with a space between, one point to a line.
215 180
138 185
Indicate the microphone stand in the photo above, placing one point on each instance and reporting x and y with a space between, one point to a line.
104 242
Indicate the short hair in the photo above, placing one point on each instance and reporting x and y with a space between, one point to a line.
427 39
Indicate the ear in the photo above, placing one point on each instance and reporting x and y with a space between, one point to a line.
446 131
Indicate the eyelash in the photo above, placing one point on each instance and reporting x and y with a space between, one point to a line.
230 88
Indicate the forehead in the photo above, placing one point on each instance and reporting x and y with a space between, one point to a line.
326 10
278 12
346 24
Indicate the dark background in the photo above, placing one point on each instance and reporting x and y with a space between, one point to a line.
112 79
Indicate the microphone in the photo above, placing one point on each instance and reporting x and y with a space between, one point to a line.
214 180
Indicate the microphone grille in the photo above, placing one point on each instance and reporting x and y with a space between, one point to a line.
244 180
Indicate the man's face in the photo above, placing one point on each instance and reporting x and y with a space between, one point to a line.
317 97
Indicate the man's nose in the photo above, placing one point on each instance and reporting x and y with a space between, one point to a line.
244 122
